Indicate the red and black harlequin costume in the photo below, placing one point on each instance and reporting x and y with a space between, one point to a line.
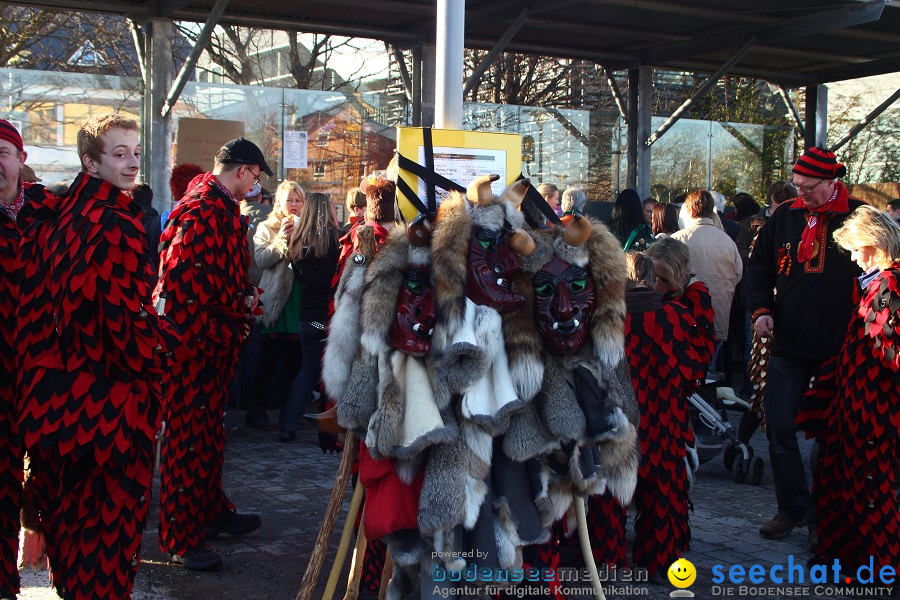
669 345
10 448
853 410
203 287
91 364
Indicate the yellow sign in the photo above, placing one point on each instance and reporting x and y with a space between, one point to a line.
460 156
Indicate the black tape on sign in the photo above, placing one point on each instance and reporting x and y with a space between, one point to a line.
428 175
429 164
414 200
534 200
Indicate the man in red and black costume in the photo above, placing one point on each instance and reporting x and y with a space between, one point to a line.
799 288
14 193
204 288
91 360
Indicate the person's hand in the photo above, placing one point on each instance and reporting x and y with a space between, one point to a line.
287 227
764 326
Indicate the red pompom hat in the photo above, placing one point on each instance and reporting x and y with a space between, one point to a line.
819 164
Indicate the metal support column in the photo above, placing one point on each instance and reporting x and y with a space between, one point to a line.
417 75
631 133
701 91
617 95
429 85
795 114
188 67
156 130
816 116
449 46
645 112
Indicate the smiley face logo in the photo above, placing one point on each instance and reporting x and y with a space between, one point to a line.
682 573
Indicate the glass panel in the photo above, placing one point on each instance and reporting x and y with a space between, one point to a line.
747 158
679 158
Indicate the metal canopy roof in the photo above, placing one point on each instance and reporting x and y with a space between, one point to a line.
794 42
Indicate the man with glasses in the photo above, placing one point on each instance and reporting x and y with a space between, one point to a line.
204 288
799 287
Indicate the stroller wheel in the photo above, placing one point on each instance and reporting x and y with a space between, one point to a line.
739 470
729 455
756 470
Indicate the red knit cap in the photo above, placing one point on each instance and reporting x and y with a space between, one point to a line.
10 134
819 164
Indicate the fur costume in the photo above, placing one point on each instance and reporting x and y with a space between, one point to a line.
354 408
582 425
407 419
476 502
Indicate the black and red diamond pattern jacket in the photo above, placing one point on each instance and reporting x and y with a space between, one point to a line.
92 351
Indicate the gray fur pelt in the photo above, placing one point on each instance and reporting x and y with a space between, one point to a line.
360 394
344 331
384 277
449 247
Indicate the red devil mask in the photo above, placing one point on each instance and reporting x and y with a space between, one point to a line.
414 323
492 264
564 301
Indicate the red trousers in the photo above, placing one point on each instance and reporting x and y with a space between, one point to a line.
93 518
191 493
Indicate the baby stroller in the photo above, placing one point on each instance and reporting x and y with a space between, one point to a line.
713 432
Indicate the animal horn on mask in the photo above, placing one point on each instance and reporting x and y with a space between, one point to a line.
515 192
578 231
418 232
517 239
479 191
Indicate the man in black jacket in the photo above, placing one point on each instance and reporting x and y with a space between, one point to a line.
799 288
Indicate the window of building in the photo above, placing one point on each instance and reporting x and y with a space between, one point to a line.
319 171
322 140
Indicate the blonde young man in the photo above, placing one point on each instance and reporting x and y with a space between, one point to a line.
92 356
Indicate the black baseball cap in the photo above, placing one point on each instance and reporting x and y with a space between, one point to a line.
242 152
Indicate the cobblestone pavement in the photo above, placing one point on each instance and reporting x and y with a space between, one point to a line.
289 485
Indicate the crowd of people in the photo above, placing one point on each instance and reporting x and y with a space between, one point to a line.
127 334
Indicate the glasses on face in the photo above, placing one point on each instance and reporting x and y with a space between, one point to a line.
806 189
255 175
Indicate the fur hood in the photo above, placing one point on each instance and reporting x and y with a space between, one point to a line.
457 216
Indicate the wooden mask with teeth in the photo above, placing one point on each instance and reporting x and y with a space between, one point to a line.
565 297
413 324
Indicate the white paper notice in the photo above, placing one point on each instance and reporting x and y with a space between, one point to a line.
295 143
462 165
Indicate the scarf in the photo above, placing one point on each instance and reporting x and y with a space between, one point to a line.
12 209
815 220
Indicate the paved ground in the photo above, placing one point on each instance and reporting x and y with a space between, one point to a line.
289 484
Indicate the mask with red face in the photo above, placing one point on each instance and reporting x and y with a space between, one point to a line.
564 301
492 265
414 323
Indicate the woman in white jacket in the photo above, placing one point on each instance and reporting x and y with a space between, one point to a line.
280 321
